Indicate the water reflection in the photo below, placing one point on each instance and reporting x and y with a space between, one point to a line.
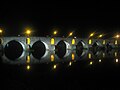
71 55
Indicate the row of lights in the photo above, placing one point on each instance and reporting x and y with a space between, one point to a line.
28 33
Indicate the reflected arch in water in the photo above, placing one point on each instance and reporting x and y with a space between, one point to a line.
39 49
61 49
14 50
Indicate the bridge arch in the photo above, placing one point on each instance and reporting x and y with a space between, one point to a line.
14 50
39 49
62 48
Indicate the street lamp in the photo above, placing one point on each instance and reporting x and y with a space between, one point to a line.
92 34
117 36
28 32
1 31
71 33
100 36
55 32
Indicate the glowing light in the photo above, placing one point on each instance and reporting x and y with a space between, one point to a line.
28 67
28 59
116 60
115 54
52 57
90 41
89 55
1 30
100 36
55 32
28 32
100 60
52 41
92 34
55 66
73 56
71 33
117 36
116 42
73 41
28 41
70 63
91 63
104 42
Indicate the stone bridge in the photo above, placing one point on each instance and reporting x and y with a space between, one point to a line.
40 49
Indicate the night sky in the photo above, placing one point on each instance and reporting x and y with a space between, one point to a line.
82 17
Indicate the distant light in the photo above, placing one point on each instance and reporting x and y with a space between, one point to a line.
100 36
100 60
28 41
73 41
116 42
28 67
28 32
117 36
89 55
28 59
55 32
52 41
116 60
73 56
55 66
70 63
1 30
91 63
103 42
90 41
75 37
71 33
52 58
115 54
92 34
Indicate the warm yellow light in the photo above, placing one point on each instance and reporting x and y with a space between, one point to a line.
100 60
103 42
28 41
90 41
100 36
52 41
116 60
1 31
91 63
115 54
71 33
116 42
73 56
89 55
117 36
55 32
28 32
73 41
55 66
92 34
28 59
52 57
28 67
70 63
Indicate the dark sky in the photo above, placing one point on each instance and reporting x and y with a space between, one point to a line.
82 17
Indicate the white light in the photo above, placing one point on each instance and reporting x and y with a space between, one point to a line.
100 60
